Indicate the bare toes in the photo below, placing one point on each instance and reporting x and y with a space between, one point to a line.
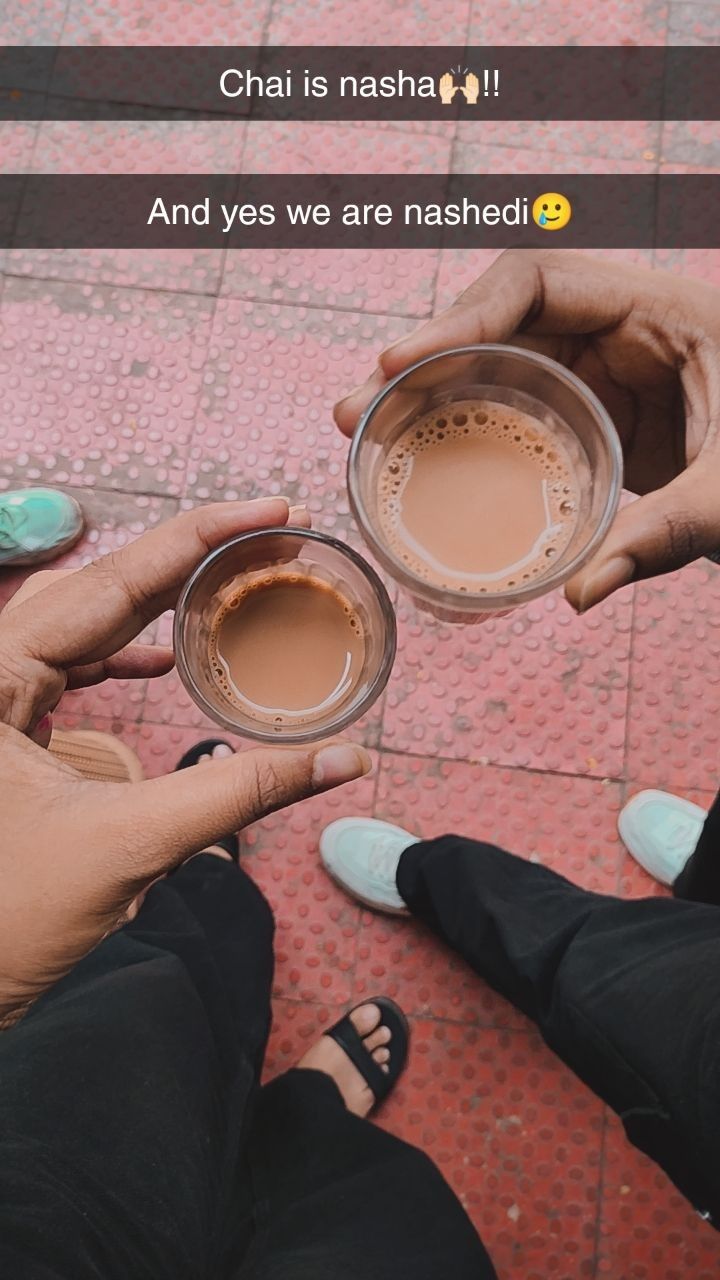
365 1019
382 1035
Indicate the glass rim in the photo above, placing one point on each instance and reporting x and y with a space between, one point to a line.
305 733
465 601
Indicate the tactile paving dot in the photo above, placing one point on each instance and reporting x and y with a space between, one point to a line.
316 923
99 386
517 1136
673 726
271 379
567 824
540 688
648 1231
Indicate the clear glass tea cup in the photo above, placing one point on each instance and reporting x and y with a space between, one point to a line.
520 379
297 552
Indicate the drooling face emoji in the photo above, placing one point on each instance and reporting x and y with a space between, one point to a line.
552 211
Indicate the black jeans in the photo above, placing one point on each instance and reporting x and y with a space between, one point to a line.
135 1143
626 992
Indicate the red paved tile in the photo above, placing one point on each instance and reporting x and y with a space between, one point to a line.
182 23
372 22
541 688
17 140
31 21
481 157
647 1230
265 423
690 142
99 386
673 734
316 923
557 22
693 22
516 1135
568 143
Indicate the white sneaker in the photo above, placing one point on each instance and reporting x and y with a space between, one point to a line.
362 856
661 831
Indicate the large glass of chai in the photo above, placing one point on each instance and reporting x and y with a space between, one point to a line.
483 477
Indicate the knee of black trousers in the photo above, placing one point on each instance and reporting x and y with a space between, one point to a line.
211 878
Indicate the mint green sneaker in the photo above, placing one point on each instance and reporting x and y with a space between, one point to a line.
362 856
661 831
36 525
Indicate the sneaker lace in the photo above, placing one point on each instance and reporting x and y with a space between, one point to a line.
681 834
383 858
12 523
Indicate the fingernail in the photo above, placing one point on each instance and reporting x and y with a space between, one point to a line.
608 577
339 763
298 511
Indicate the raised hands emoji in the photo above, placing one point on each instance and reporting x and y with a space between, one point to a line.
471 88
448 89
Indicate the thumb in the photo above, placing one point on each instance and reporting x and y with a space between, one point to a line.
178 815
655 534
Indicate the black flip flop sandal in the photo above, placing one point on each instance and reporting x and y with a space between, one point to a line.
379 1082
230 844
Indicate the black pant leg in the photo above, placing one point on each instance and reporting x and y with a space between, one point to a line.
124 1092
627 993
699 880
339 1198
